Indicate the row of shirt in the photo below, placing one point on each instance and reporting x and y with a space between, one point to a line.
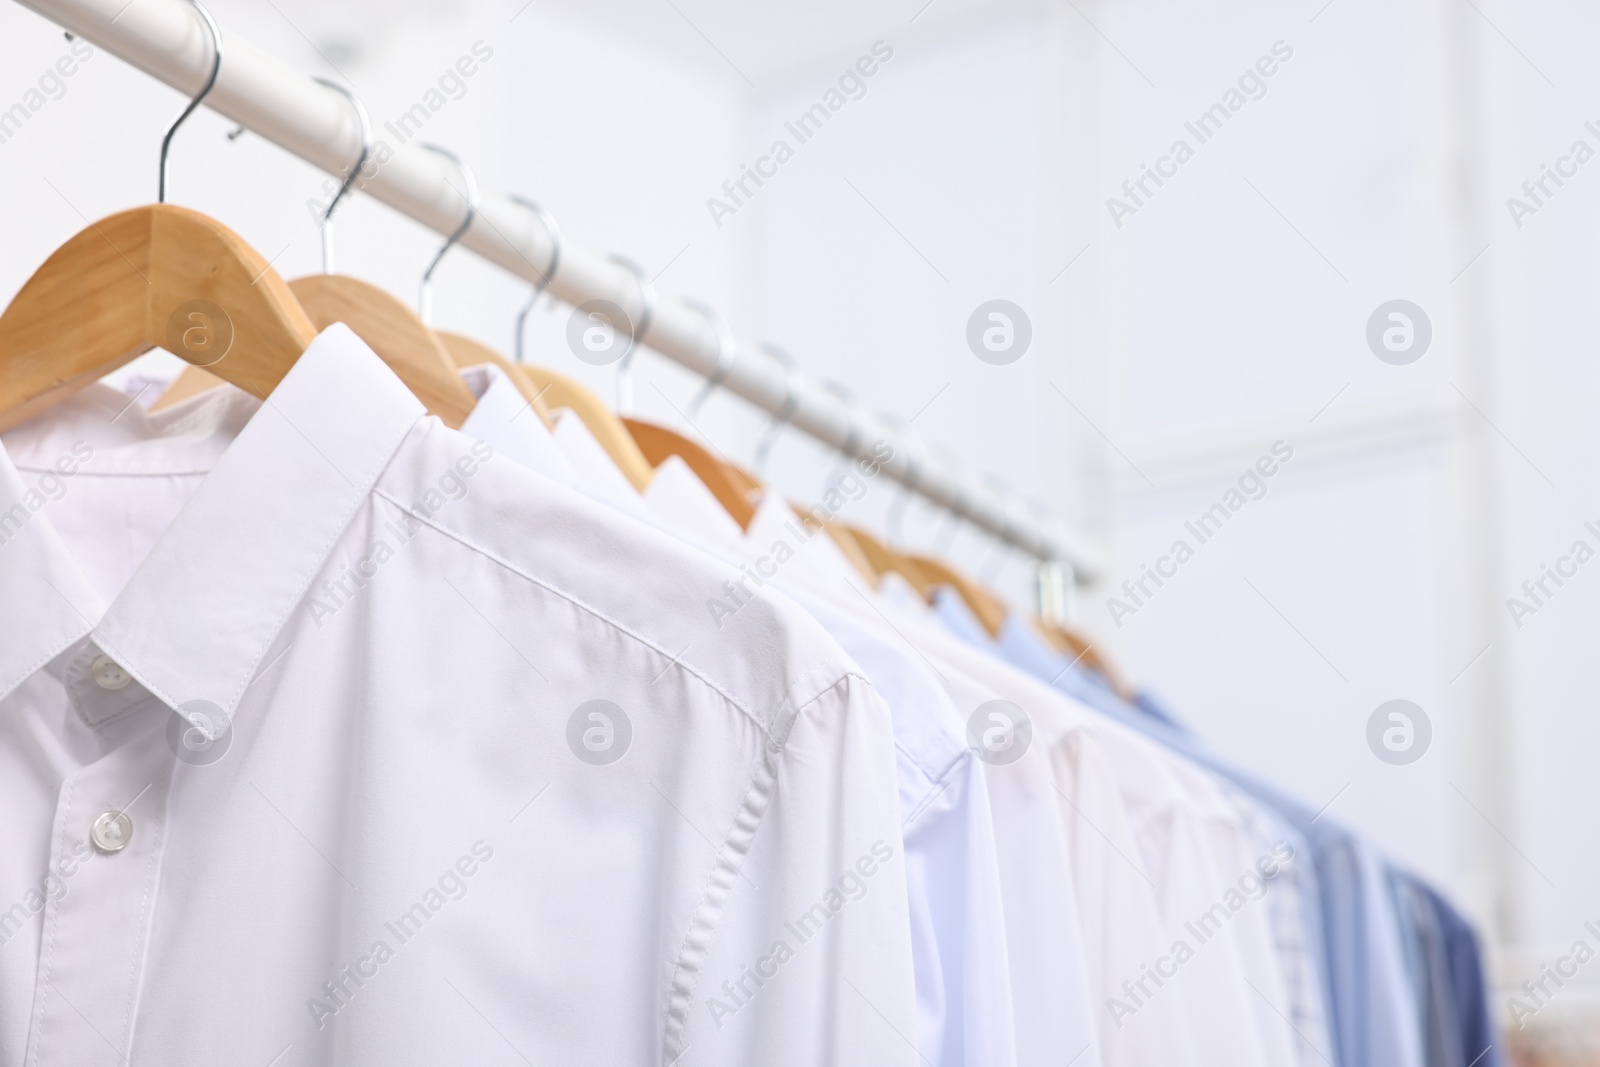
330 735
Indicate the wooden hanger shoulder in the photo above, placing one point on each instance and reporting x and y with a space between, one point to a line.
562 392
846 543
469 353
658 442
1070 643
153 276
392 330
989 608
886 560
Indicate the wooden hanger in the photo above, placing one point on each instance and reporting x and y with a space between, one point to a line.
848 545
885 560
730 489
989 608
190 382
562 392
466 352
392 330
155 276
1070 643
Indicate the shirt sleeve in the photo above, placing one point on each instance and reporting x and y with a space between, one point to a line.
802 954
1141 1014
1055 1016
958 924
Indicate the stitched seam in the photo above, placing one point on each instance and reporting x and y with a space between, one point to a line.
708 915
32 668
370 479
595 612
677 1014
298 591
124 713
50 950
144 932
939 785
154 472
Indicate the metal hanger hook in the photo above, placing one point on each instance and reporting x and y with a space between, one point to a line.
897 507
725 352
791 400
955 512
852 439
349 179
1007 537
211 82
549 273
636 332
425 289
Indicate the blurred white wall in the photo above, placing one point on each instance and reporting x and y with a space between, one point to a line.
1176 337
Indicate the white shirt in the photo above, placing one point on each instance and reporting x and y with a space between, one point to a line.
411 849
597 475
1056 1002
508 423
963 977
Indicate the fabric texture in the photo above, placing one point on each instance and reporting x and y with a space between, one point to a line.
407 774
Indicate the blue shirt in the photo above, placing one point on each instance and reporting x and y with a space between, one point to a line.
1350 918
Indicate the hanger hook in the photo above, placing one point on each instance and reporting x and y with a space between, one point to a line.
725 352
895 525
791 400
549 272
211 82
1053 578
953 516
355 169
425 289
647 313
853 432
1006 539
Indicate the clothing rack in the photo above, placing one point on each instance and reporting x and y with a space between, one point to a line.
168 40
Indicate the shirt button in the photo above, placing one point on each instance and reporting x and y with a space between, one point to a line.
112 831
108 673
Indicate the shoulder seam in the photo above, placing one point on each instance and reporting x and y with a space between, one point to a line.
583 605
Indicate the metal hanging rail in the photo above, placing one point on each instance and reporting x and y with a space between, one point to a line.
168 40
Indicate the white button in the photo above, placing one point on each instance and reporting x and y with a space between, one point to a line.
108 673
112 831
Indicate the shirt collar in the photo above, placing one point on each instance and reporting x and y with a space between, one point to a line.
681 501
597 475
508 423
201 610
56 604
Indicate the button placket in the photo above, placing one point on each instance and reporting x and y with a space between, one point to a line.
111 831
108 673
106 854
102 689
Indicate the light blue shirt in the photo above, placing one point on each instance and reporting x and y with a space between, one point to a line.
958 935
1351 924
